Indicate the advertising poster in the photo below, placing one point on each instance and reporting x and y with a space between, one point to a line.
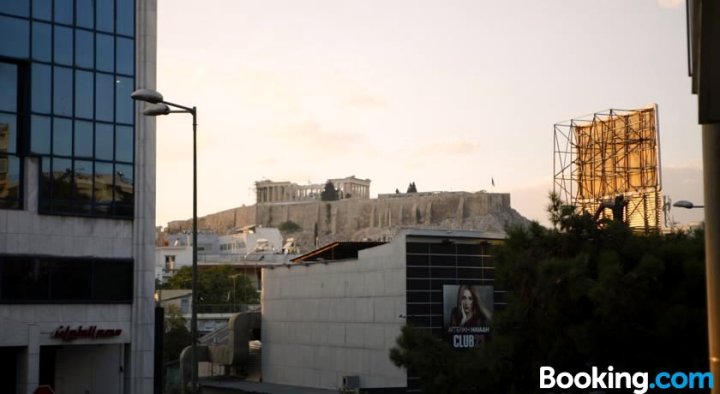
467 312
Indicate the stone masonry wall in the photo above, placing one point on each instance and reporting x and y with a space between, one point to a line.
372 219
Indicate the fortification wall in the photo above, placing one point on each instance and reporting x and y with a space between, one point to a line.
219 222
375 219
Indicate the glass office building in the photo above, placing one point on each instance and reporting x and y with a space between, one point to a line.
75 231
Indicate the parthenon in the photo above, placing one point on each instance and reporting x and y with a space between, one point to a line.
284 191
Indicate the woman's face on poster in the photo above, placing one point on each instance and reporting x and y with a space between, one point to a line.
466 299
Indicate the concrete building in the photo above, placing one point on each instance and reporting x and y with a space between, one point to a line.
332 316
245 250
77 196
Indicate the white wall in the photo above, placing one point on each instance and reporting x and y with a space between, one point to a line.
26 232
324 321
89 369
183 258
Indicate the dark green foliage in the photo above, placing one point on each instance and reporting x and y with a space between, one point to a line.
432 359
581 295
329 194
289 227
215 287
176 336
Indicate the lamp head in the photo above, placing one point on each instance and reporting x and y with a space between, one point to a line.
147 95
683 204
156 109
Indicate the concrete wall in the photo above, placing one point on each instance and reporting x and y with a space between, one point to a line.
89 369
26 232
324 321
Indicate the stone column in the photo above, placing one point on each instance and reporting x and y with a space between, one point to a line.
28 373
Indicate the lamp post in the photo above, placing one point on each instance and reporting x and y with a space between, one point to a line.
686 204
158 106
233 277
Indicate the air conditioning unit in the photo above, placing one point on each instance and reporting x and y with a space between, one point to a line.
351 382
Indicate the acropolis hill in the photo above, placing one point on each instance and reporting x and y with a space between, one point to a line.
357 217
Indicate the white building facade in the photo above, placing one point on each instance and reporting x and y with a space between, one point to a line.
77 200
328 322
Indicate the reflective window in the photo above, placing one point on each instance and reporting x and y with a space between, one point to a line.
63 45
104 97
61 183
41 84
41 41
62 137
41 279
113 281
83 101
124 186
62 91
70 280
10 162
46 178
81 120
104 141
105 15
125 56
125 104
83 139
124 144
15 7
85 13
24 278
42 9
104 185
84 49
8 133
9 181
64 11
125 17
104 53
40 138
83 186
8 87
19 30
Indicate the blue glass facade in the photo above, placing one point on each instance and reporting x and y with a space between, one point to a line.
66 76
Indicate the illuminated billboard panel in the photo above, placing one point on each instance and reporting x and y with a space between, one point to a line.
467 312
608 155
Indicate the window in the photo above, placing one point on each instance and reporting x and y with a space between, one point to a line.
11 115
80 59
169 263
41 279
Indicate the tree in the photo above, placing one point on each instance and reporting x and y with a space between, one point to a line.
584 294
329 194
176 336
289 227
215 287
429 358
412 188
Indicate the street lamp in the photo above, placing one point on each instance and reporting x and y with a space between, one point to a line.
233 277
686 204
161 107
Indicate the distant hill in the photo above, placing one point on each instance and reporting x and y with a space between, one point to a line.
369 219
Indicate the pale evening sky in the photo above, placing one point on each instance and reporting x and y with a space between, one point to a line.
445 93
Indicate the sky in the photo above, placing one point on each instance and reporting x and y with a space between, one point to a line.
449 94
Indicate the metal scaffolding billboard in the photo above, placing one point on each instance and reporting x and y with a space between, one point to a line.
611 156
